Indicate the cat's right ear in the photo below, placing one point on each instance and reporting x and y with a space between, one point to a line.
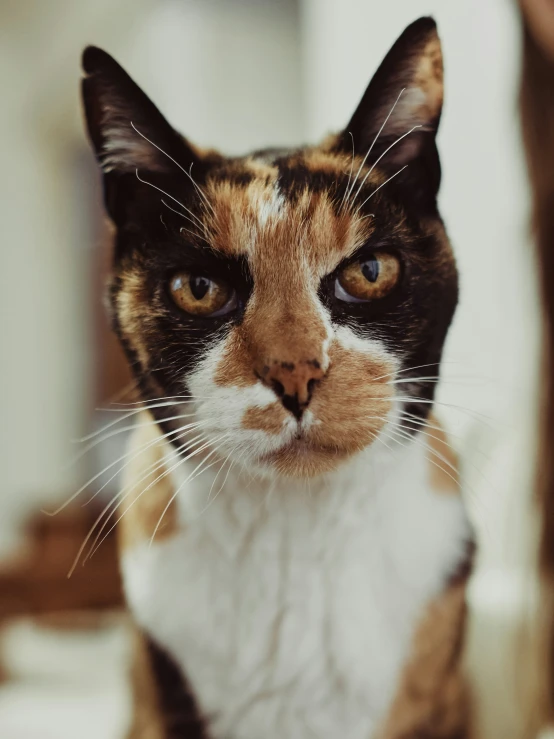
127 131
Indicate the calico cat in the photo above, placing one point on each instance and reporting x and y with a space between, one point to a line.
294 547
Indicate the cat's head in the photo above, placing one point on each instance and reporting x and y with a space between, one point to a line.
292 296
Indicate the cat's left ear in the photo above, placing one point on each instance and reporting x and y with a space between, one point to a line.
401 109
127 131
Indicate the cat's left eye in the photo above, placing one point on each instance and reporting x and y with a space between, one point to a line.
369 279
201 295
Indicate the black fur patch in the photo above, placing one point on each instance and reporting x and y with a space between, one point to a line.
180 715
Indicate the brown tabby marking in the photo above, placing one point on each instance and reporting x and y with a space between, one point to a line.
143 511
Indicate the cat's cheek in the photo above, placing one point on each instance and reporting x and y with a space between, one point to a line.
355 401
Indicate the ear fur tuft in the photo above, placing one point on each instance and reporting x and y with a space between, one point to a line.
117 112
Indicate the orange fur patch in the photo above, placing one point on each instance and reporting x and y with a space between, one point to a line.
269 418
432 699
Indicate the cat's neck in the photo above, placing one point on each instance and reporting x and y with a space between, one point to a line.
237 494
342 565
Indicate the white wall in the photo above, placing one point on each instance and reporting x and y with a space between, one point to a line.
225 72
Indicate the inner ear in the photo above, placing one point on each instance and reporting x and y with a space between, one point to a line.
128 132
401 108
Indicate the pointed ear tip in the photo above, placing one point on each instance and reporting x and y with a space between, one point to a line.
426 22
94 59
423 27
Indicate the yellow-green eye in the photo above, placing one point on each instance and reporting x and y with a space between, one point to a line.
200 295
368 279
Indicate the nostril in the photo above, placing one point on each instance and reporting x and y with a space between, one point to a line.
278 388
311 388
292 404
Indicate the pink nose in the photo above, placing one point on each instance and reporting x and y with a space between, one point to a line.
292 381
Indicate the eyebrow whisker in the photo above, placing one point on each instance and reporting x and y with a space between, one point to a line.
364 160
377 190
362 183
184 207
188 174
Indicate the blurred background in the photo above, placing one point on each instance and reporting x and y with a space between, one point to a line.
236 75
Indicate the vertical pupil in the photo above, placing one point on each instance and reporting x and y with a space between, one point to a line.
199 286
370 269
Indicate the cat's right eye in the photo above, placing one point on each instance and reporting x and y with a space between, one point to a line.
201 295
369 279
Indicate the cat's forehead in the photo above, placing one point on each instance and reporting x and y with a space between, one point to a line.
292 205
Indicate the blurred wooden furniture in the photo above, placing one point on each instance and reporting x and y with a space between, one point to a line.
38 583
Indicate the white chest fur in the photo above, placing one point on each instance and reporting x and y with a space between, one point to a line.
291 606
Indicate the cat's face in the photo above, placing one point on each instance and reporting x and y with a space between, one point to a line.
282 303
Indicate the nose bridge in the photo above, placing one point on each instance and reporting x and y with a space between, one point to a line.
289 336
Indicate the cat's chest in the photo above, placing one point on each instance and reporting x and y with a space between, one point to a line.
294 620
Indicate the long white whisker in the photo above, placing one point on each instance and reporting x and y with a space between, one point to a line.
188 174
379 438
125 492
458 477
218 473
350 173
410 369
176 493
104 470
194 233
129 427
430 378
416 440
377 190
374 142
424 423
124 417
187 399
184 207
178 433
211 502
166 472
117 499
479 416
372 168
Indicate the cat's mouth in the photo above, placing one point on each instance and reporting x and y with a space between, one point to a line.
304 457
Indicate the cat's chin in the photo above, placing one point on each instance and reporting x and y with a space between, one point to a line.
303 458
